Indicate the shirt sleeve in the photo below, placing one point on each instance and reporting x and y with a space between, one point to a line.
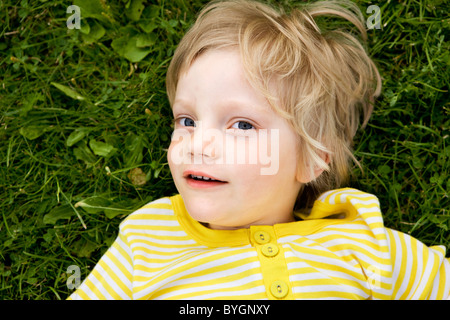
419 272
111 279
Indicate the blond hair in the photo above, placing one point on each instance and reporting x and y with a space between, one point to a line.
322 78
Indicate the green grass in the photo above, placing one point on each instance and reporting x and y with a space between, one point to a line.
82 127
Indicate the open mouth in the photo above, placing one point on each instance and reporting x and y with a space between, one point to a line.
202 180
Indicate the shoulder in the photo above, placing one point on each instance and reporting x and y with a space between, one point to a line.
159 211
404 243
345 203
348 196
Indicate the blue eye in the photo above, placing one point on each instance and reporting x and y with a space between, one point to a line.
187 122
243 125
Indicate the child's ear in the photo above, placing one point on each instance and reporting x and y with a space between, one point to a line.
304 175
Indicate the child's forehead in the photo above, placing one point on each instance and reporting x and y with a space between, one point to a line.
220 72
218 77
227 61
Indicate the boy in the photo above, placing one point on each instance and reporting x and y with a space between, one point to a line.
244 80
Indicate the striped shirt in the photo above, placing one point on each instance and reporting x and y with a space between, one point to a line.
341 250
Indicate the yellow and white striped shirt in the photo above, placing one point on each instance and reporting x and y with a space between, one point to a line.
340 251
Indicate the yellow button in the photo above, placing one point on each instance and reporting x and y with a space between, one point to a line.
269 250
279 289
261 237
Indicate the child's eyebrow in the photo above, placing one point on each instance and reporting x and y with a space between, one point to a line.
228 105
181 103
233 104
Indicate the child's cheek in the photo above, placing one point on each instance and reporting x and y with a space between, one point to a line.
260 149
254 150
177 152
269 151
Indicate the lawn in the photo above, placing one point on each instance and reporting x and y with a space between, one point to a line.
85 123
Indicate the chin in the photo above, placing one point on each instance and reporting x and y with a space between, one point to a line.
203 209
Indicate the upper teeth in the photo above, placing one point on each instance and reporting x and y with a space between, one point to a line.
201 177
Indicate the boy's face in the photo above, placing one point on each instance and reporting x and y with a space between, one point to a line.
227 131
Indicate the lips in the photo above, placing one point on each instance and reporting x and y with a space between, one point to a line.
199 179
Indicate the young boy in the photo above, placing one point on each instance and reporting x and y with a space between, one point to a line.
266 105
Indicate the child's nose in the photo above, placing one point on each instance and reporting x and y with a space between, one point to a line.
205 144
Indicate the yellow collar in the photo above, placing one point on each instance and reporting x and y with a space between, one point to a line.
310 224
